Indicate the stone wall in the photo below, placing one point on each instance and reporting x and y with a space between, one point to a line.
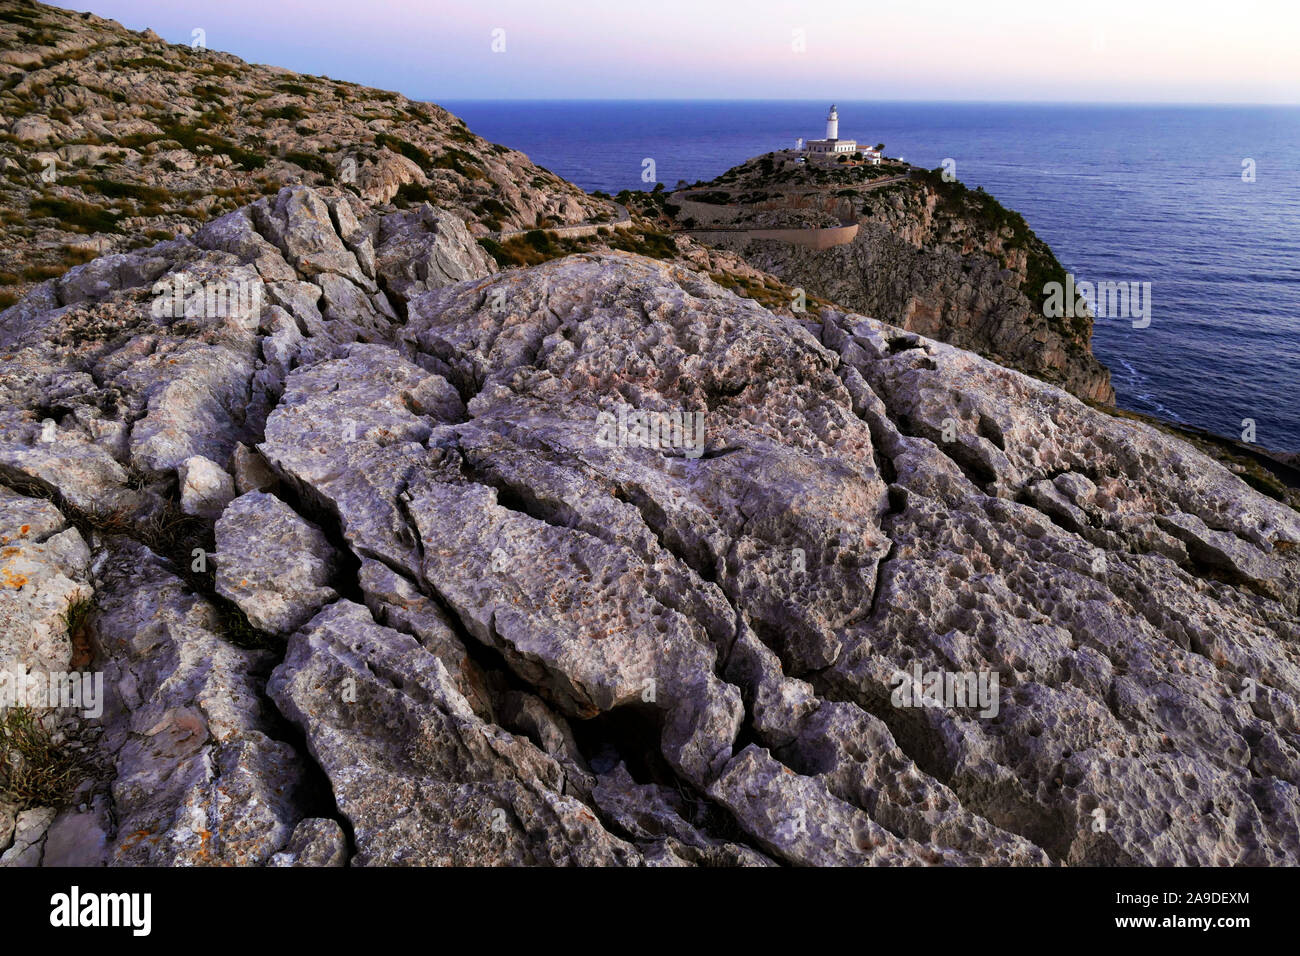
808 238
579 231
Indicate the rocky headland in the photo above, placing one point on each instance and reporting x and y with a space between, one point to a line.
922 252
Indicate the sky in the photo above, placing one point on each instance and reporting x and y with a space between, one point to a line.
1141 51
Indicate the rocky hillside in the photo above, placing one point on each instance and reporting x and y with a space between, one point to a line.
113 140
930 256
381 569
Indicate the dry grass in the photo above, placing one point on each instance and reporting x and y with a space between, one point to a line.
34 770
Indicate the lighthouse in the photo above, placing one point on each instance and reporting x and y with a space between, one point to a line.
833 145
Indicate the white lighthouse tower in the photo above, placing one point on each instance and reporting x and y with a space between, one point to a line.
832 143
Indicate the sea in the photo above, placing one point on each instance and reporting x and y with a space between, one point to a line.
1202 202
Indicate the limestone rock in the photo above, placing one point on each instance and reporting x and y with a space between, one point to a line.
422 780
28 844
206 488
199 778
118 95
651 574
315 842
272 563
425 249
44 572
250 470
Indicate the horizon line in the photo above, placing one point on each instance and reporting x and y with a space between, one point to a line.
813 99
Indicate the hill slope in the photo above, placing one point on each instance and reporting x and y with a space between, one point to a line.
116 139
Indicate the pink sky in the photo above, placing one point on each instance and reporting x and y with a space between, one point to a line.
1106 50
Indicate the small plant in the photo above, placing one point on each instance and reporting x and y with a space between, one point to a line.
238 630
34 770
76 615
77 620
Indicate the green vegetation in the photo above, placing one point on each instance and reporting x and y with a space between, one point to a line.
75 215
140 140
311 161
115 189
194 137
540 245
460 134
151 63
23 17
459 161
211 93
768 293
456 160
712 198
400 146
493 207
289 112
993 218
412 194
77 614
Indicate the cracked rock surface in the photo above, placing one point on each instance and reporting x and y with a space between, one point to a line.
449 620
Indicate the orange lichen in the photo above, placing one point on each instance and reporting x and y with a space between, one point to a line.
205 845
135 838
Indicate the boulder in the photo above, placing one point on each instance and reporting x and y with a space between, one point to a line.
273 564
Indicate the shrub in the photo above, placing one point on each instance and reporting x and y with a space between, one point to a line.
410 194
459 161
76 215
192 137
113 189
400 146
311 161
494 208
151 63
290 112
538 239
493 248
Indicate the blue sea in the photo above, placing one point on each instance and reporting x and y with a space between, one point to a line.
1121 193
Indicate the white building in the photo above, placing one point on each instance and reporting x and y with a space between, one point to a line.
833 144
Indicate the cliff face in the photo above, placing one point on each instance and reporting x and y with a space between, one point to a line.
397 498
929 256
